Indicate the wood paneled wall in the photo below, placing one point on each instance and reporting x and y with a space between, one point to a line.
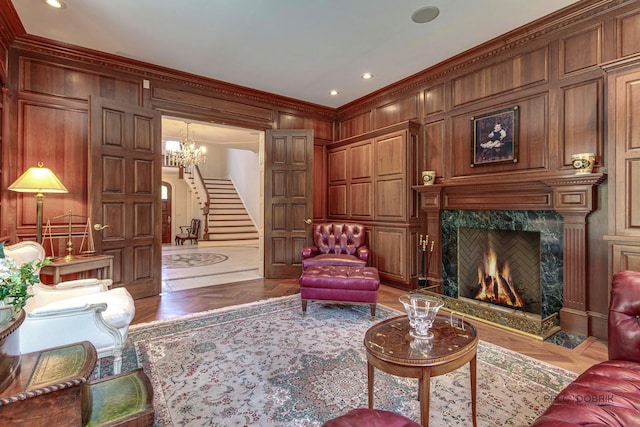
550 69
47 101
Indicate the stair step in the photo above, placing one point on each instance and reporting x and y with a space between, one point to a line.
232 236
233 229
229 190
230 223
224 204
228 214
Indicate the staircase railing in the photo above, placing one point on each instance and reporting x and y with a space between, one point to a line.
193 177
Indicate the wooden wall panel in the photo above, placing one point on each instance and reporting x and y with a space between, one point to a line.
389 199
52 79
337 165
434 142
628 33
434 101
357 125
216 106
582 121
633 194
337 202
361 161
398 111
390 155
513 73
56 136
360 200
322 129
319 182
392 242
626 257
581 50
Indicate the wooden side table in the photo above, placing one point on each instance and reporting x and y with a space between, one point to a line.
391 349
102 264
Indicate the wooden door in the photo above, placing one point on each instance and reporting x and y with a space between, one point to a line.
166 212
124 184
288 200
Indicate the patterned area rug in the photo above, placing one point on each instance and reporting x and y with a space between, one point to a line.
264 364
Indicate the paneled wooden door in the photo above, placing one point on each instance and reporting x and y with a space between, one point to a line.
125 175
288 200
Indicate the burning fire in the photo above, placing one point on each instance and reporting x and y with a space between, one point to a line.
497 287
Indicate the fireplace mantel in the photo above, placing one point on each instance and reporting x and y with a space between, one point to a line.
573 196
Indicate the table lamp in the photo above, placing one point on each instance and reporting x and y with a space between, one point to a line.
38 180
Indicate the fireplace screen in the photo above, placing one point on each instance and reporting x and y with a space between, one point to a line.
501 267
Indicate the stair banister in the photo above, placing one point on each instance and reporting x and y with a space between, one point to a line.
196 183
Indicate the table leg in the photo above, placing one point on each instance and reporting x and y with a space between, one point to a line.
472 369
424 390
370 384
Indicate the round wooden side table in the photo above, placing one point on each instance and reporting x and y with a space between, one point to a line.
391 349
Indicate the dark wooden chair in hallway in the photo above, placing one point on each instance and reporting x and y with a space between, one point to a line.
190 232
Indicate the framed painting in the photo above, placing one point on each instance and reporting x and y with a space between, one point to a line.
495 137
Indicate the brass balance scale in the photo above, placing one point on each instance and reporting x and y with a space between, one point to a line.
87 236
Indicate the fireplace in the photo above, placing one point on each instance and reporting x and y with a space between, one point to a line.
554 204
500 267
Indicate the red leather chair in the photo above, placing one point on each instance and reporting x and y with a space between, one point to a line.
336 244
607 394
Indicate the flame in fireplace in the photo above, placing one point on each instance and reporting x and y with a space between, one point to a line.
497 286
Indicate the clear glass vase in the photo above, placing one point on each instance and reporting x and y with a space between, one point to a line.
421 310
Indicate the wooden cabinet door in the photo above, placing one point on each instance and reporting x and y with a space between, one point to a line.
288 200
125 174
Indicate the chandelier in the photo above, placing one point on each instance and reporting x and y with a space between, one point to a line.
186 153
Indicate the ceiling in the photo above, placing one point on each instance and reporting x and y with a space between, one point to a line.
300 49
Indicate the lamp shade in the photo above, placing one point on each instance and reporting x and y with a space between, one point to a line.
38 180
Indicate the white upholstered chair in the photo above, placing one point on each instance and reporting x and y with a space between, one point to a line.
73 311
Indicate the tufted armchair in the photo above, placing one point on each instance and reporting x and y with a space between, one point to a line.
336 244
73 311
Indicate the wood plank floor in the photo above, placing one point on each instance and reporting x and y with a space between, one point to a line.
179 303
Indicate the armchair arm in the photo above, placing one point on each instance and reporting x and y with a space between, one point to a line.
183 227
363 253
309 251
60 309
50 327
105 284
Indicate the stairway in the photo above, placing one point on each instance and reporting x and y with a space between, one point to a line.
228 222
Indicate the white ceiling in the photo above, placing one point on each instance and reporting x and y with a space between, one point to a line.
296 48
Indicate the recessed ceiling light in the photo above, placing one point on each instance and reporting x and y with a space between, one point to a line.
425 14
367 76
58 4
333 92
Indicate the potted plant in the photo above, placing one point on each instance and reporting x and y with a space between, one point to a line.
15 281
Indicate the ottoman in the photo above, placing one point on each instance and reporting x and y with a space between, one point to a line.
340 284
370 418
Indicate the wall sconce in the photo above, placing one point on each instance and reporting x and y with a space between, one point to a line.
38 180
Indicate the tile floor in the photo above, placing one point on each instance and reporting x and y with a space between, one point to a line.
191 266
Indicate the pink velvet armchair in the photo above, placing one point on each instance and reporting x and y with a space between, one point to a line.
336 244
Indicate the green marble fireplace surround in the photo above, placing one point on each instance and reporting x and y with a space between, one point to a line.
549 225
